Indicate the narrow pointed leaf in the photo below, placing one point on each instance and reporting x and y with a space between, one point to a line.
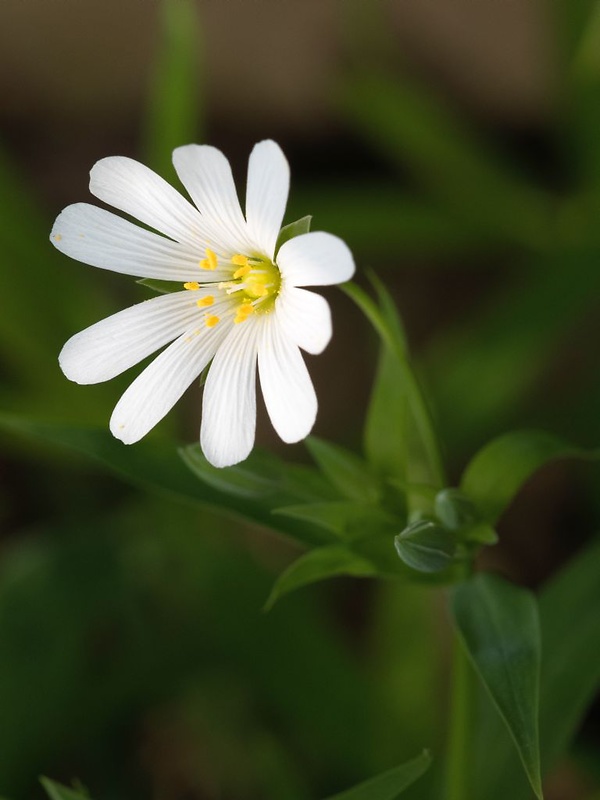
499 626
317 565
157 465
425 461
56 791
391 784
570 676
346 471
497 472
336 516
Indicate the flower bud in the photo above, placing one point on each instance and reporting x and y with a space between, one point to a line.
426 547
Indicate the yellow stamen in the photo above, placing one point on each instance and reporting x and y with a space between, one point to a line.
57 237
239 273
211 321
243 312
192 285
210 262
240 261
206 301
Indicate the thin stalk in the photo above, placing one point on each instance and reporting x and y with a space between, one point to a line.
458 758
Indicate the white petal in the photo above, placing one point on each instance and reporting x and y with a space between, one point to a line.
266 194
305 318
103 239
133 188
315 259
161 384
286 385
207 176
229 403
113 345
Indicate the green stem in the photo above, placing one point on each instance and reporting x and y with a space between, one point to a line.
457 764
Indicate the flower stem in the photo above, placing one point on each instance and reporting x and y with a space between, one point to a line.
458 757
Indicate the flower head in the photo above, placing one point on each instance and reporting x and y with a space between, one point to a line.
241 303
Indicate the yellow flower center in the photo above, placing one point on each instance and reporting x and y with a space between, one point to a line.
256 282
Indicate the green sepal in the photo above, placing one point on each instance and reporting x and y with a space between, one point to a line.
426 546
161 287
391 784
297 228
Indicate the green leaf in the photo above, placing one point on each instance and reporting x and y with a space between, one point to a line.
175 92
504 365
317 565
426 547
56 791
260 475
157 465
346 471
337 516
424 461
570 676
499 626
390 784
497 472
292 230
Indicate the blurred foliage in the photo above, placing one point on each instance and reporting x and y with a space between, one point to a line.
133 652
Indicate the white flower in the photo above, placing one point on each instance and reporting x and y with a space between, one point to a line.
240 303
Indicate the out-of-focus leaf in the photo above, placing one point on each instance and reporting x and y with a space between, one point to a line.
414 129
380 220
156 465
56 791
497 472
337 516
296 228
317 565
390 784
346 471
570 674
484 371
499 626
175 99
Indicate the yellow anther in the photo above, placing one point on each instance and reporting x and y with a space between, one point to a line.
240 261
211 320
210 262
243 312
206 301
192 285
57 237
239 273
